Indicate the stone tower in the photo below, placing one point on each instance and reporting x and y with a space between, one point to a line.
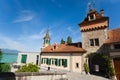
94 30
46 39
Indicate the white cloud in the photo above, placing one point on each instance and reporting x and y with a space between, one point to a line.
24 15
29 43
38 36
11 44
32 37
70 29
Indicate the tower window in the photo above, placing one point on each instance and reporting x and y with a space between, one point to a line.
97 42
91 17
94 42
91 42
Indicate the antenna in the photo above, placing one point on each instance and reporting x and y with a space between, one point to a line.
91 4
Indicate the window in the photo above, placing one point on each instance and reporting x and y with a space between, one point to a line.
91 42
64 62
94 42
37 59
91 17
97 42
23 59
117 46
77 65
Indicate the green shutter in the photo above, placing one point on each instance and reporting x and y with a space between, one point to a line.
24 57
65 62
42 60
49 61
59 62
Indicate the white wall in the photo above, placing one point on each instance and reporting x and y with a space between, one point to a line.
72 59
31 57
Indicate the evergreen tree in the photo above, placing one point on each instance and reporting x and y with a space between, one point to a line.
69 40
62 41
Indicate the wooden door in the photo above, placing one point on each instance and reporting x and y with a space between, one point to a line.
117 68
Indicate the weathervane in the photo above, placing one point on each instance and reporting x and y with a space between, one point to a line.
48 28
91 4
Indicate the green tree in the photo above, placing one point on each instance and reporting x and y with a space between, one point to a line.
29 68
62 41
69 40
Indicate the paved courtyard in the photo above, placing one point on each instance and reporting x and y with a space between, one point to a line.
76 76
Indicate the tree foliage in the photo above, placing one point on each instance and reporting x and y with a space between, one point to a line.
0 55
5 67
69 40
104 62
29 68
62 41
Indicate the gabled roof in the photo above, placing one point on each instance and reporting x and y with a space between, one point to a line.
63 48
113 36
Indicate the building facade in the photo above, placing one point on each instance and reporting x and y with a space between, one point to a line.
28 57
96 37
63 56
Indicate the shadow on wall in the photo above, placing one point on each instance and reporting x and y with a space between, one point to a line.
104 49
7 76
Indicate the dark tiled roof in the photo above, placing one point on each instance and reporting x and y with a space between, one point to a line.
113 36
88 24
62 48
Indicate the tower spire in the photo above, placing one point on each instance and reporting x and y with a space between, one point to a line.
46 39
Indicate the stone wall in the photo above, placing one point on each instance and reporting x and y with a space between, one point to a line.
101 34
46 75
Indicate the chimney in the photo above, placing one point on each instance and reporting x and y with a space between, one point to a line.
102 12
55 45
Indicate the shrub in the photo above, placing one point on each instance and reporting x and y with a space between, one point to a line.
5 67
29 68
86 68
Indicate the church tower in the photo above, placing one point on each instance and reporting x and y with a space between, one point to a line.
94 30
46 39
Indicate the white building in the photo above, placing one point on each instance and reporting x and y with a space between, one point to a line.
28 57
25 58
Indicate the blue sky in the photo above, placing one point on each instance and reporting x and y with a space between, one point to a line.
23 23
